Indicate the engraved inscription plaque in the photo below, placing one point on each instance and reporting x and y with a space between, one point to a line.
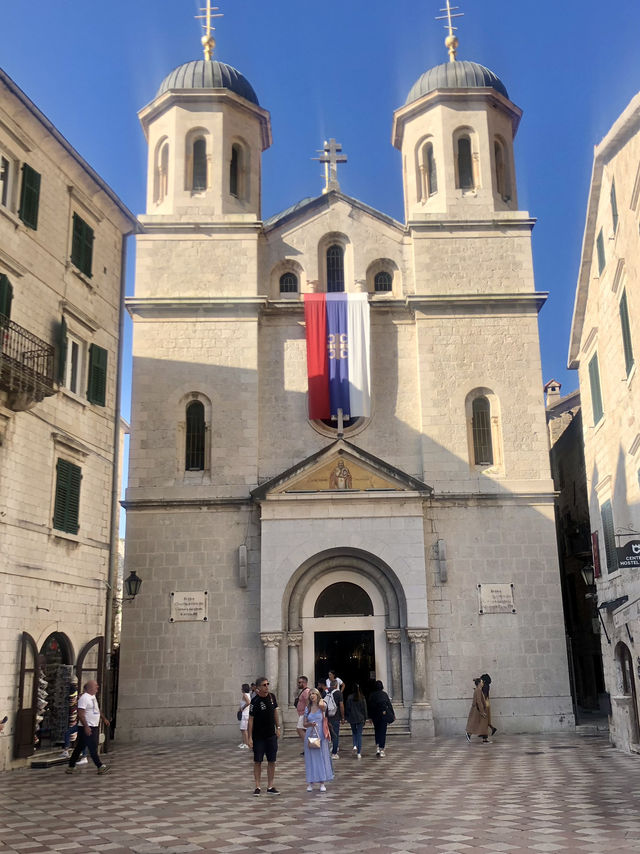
496 599
189 607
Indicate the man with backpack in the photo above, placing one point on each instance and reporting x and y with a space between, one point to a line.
335 713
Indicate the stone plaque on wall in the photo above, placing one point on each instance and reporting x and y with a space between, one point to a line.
189 607
496 599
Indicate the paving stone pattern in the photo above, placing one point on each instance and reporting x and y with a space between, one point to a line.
518 794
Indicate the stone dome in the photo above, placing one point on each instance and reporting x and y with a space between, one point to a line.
208 74
455 75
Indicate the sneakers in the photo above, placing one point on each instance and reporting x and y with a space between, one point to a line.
310 788
355 748
256 791
358 756
103 769
273 791
65 754
323 788
377 750
468 735
381 754
335 756
83 761
70 770
243 746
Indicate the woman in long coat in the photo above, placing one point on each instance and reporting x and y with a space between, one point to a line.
478 720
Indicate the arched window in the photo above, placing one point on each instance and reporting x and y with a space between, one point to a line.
288 283
431 174
195 437
162 173
335 269
465 165
481 430
235 170
502 174
382 281
199 182
343 599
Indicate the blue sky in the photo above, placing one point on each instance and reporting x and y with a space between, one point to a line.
340 69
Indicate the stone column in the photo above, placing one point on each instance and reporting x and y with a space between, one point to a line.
294 639
421 720
271 641
394 639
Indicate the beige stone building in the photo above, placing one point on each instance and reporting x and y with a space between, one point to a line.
433 559
62 238
604 345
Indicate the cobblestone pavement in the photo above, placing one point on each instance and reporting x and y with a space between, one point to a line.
519 794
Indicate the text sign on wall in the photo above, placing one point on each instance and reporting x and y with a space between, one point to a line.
496 599
629 555
189 607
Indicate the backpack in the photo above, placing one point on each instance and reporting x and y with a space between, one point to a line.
331 703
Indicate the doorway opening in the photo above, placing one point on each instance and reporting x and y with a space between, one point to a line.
350 654
53 694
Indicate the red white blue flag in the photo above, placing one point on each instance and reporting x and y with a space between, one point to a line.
338 347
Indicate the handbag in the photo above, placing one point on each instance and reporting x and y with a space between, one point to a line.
239 714
314 741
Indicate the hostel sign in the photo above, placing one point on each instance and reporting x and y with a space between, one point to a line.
629 555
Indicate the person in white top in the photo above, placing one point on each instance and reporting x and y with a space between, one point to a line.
89 717
332 676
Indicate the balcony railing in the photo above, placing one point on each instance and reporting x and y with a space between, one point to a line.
26 364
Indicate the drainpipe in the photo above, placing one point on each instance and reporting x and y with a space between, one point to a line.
114 535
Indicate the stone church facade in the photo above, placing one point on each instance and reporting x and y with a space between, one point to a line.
416 545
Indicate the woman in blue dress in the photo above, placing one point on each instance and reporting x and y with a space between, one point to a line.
317 763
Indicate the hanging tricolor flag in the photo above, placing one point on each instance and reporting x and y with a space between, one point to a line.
338 355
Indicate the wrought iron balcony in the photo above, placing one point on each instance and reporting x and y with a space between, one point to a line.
26 365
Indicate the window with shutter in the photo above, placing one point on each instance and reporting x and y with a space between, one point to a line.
602 259
626 332
62 351
97 385
481 430
606 512
6 296
82 245
66 509
614 207
29 197
596 394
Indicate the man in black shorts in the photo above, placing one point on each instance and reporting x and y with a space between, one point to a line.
264 732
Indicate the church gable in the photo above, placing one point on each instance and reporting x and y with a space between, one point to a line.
341 467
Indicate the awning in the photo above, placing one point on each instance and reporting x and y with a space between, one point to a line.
631 611
612 604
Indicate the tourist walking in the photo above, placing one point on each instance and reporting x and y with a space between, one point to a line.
243 712
300 702
381 714
317 762
264 732
477 722
356 714
486 687
89 715
334 702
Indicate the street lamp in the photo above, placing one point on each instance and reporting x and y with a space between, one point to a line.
588 575
132 585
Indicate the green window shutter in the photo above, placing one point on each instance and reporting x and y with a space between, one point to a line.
97 386
66 507
614 207
63 342
596 394
6 296
606 512
626 332
601 256
29 196
82 245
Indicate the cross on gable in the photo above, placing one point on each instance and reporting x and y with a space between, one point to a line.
331 155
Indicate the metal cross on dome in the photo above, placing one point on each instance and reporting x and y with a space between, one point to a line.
331 155
208 41
451 41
